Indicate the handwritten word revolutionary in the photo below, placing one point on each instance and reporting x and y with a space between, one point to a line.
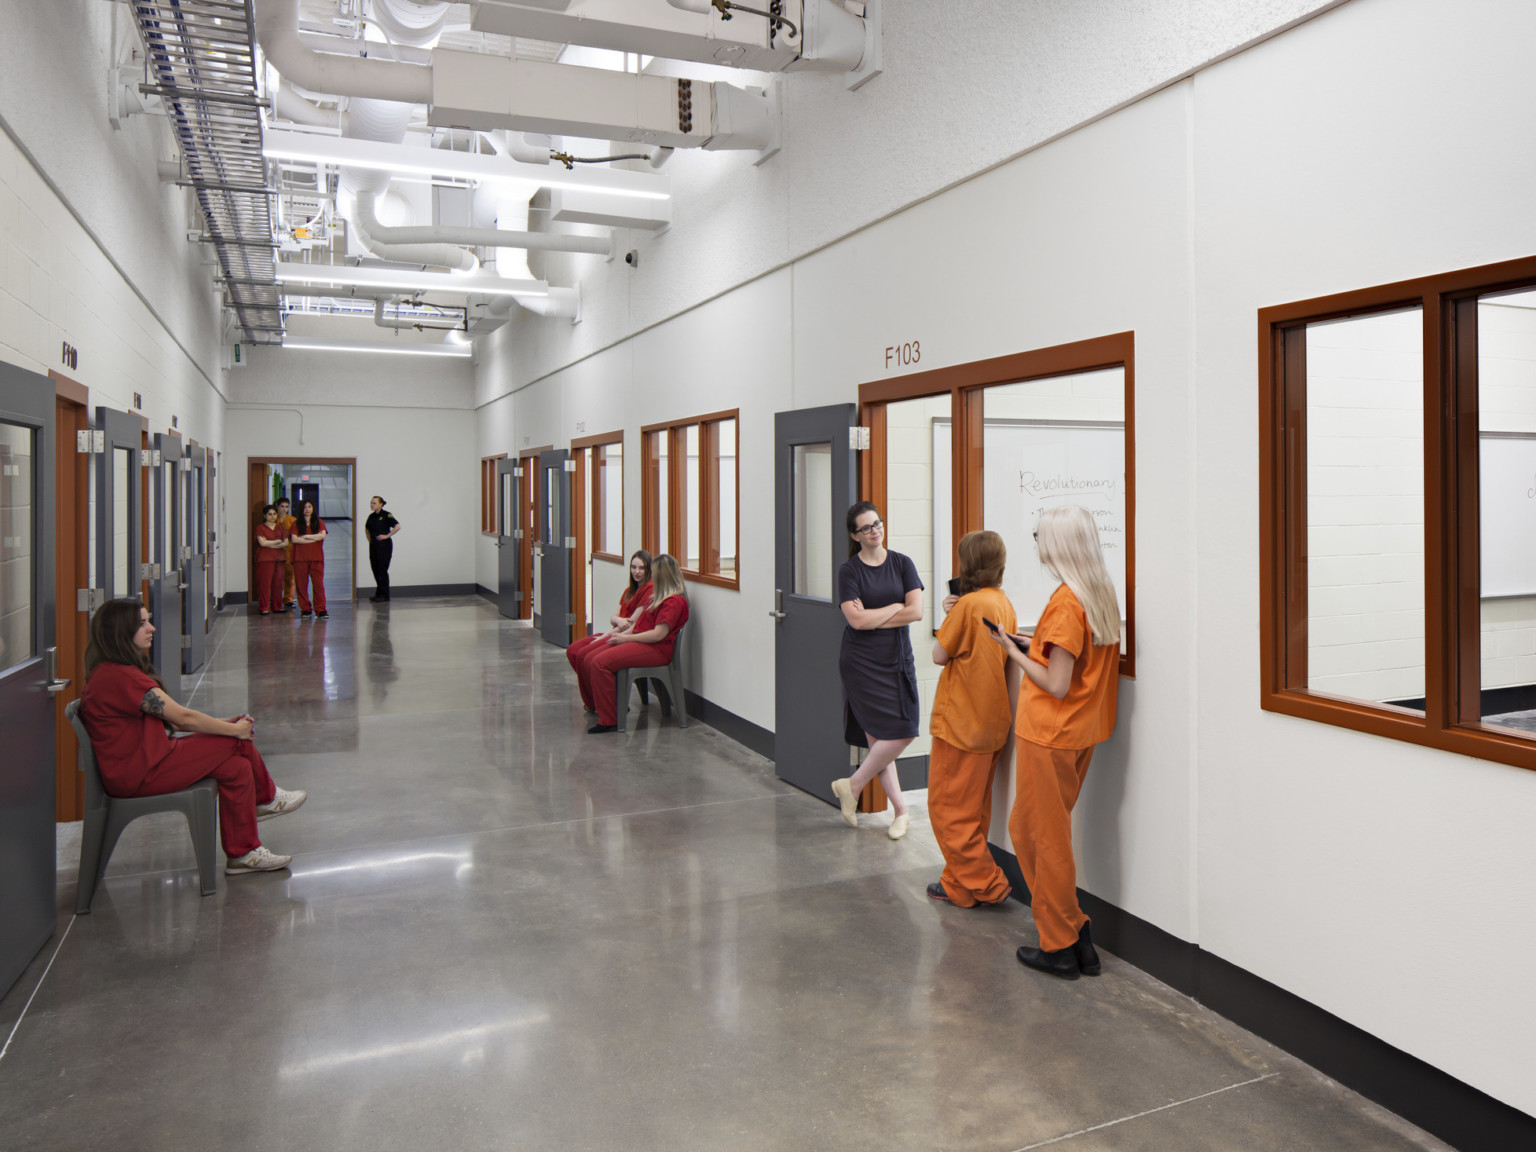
1060 485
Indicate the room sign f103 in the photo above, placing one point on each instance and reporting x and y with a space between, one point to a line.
901 355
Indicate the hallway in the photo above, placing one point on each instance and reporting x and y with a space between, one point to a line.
499 932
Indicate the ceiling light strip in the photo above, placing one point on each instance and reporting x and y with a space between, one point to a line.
310 344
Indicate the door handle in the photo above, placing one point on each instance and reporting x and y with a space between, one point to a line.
778 612
182 587
53 685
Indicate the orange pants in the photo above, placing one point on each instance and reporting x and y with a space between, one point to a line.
1040 827
960 810
287 582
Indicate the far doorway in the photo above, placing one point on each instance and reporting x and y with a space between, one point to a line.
330 481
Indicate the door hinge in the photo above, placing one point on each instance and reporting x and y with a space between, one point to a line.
186 551
518 471
185 463
570 542
517 597
89 599
149 571
570 465
517 533
858 438
89 440
570 618
186 643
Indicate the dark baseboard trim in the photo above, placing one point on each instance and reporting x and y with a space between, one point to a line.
407 591
234 600
744 732
1461 1115
486 594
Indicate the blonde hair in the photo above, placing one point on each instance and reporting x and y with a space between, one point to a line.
666 580
983 556
1070 550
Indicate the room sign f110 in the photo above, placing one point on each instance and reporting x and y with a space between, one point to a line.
902 355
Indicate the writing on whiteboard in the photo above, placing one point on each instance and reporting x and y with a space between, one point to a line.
1044 487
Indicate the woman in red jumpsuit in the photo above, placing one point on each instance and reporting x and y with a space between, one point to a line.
271 554
634 598
309 560
648 644
131 720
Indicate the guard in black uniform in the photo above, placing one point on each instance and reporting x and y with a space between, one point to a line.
381 528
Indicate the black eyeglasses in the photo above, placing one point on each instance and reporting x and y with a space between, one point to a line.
869 529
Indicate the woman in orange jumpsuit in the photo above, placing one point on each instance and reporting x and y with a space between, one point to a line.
972 725
1072 668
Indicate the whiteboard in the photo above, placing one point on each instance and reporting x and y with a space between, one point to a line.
1031 466
1507 520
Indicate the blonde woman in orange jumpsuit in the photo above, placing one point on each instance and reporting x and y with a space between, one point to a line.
1071 670
972 725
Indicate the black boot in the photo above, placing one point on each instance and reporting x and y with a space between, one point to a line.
1061 963
1087 955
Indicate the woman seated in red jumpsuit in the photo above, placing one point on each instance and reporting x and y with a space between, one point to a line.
648 644
130 718
632 601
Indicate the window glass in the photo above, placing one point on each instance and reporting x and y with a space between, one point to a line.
661 475
17 562
123 477
610 490
1506 405
1048 443
1365 508
691 495
813 520
727 500
919 521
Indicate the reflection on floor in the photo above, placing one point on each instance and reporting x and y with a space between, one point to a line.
501 933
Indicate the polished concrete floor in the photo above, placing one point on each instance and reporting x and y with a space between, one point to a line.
501 933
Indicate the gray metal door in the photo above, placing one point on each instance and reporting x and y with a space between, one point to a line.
815 479
166 554
555 533
194 569
509 568
27 669
119 506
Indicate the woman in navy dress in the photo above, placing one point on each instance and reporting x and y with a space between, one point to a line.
880 594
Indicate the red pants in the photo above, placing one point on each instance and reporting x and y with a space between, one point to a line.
1040 827
960 810
307 574
269 586
578 654
602 685
235 764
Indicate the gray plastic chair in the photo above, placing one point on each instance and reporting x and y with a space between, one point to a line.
674 703
107 816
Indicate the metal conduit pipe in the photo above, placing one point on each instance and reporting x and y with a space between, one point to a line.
397 324
561 303
277 30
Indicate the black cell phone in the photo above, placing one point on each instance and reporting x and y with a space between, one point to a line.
991 627
954 586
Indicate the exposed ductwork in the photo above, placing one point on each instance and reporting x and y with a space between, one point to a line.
366 226
482 237
478 91
277 30
289 104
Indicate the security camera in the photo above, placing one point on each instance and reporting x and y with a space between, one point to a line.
632 258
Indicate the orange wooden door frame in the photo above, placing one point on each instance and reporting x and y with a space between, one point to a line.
71 573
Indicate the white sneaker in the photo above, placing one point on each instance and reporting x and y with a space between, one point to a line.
898 827
281 804
256 860
843 790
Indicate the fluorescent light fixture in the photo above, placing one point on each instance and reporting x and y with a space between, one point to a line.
310 344
405 159
407 280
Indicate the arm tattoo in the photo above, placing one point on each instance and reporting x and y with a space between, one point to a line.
153 704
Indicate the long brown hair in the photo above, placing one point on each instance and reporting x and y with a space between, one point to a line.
983 555
306 525
111 638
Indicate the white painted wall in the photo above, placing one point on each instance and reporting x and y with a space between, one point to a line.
1269 840
1311 838
416 458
